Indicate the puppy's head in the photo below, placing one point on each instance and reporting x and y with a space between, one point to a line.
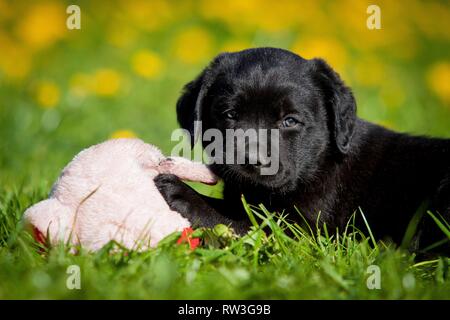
304 101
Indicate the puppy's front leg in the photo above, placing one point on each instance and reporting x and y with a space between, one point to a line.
195 207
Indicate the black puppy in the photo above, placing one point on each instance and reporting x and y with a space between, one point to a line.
330 161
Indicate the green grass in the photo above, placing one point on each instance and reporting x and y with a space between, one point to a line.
259 265
36 141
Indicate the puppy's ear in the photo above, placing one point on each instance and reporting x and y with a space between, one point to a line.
189 105
340 104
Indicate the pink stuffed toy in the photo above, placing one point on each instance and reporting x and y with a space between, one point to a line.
107 193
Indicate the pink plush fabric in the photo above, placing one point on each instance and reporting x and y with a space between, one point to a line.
107 193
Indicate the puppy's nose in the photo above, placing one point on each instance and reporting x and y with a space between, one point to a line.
256 156
262 162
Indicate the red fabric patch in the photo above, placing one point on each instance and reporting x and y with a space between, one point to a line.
186 236
39 236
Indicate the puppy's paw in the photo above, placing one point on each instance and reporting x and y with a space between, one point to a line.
169 185
177 194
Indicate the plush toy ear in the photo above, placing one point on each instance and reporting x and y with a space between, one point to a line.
187 170
189 105
340 104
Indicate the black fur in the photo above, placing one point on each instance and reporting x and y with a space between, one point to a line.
331 161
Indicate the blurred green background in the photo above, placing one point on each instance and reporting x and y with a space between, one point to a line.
120 75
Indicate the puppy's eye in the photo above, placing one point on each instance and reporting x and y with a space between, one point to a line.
289 122
230 114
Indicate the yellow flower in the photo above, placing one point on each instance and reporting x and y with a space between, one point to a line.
149 15
47 94
193 45
235 13
438 79
267 15
147 64
123 134
276 16
431 17
329 49
6 10
10 54
43 24
106 82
